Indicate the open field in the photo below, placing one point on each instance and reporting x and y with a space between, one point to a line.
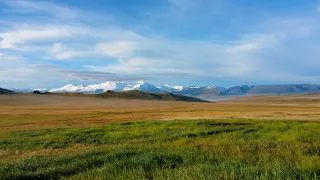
46 137
190 149
20 112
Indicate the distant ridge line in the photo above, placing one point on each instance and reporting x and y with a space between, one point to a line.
132 94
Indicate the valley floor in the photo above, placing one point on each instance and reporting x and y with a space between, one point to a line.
45 137
20 112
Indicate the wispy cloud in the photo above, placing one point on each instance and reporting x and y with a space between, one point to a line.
23 36
117 49
39 75
42 7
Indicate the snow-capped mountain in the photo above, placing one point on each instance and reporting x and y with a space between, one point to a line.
93 88
142 86
68 88
103 87
168 88
108 86
196 91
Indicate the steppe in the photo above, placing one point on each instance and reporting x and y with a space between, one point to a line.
258 137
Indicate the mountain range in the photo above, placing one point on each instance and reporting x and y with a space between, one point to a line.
195 91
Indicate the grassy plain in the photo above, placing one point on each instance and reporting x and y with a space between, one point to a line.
45 137
21 112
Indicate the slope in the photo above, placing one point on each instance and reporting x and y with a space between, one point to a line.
134 94
5 91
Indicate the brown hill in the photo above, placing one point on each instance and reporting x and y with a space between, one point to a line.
5 91
135 94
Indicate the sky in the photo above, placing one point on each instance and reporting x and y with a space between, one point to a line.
50 43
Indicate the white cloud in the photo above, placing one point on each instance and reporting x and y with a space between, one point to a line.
18 73
118 49
61 52
148 72
10 60
35 7
243 48
65 42
10 39
137 62
68 55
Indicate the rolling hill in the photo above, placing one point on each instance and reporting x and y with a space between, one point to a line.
132 94
5 91
135 94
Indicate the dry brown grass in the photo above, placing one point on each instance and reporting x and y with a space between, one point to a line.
21 112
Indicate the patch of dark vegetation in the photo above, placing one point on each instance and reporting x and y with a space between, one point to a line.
312 151
37 92
35 133
126 123
213 132
156 161
250 131
192 135
220 131
223 124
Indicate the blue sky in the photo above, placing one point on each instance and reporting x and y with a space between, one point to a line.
48 43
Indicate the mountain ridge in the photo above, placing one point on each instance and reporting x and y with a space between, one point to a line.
5 91
130 94
194 91
135 94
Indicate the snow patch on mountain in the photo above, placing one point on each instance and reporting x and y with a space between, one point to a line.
142 86
168 88
107 86
68 88
93 88
103 87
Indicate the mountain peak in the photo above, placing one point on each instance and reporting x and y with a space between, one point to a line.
169 88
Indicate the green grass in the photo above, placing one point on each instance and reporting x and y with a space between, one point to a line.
198 149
